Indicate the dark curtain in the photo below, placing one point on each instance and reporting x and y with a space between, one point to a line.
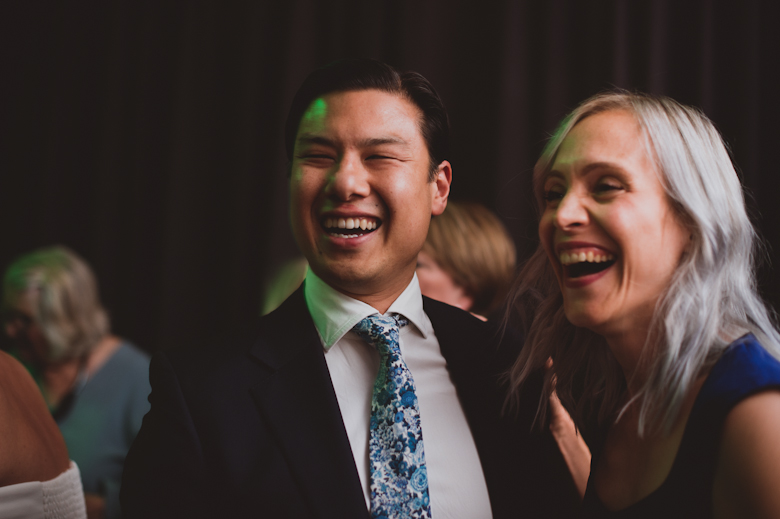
147 136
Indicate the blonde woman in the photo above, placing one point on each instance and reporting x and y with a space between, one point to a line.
642 291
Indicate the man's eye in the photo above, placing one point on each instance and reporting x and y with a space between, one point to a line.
380 157
314 156
319 160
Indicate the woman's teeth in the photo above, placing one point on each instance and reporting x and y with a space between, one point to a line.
581 257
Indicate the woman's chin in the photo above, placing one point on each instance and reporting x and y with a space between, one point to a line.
581 318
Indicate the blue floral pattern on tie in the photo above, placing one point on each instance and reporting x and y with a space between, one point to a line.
399 479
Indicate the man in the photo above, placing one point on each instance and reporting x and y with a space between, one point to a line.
289 423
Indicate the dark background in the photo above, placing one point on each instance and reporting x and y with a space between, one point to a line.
147 136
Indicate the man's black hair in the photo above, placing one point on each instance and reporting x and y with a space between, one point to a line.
370 74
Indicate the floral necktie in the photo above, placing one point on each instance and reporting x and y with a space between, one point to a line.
399 478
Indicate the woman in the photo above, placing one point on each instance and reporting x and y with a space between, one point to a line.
95 384
643 293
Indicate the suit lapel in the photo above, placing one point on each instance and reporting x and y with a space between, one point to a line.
298 401
475 364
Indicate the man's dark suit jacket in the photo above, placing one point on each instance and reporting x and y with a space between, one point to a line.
254 429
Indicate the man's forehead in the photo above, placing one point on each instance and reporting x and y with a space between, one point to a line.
370 110
314 114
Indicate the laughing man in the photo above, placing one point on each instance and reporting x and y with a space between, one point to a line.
357 397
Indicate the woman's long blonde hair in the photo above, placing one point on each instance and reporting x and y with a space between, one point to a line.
710 301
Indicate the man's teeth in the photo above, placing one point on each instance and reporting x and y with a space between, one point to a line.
581 257
350 223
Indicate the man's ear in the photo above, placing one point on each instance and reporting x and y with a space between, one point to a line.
440 188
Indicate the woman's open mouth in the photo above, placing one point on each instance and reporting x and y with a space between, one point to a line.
579 264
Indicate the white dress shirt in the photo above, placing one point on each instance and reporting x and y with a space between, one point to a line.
455 480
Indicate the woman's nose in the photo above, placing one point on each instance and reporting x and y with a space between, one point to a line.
570 212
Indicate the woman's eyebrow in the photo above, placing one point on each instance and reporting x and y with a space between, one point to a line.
601 165
553 173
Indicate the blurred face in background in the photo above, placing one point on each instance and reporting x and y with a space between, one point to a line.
21 327
437 284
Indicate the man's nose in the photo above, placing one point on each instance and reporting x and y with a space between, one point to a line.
571 212
349 179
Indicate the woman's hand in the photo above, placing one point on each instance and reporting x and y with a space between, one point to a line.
574 449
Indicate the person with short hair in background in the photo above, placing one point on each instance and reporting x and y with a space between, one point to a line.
94 383
468 259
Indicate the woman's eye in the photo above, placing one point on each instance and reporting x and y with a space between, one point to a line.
608 188
552 195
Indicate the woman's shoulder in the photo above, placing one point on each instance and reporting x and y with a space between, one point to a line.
31 446
744 368
747 474
748 350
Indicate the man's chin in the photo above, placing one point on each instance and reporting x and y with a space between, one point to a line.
362 275
349 280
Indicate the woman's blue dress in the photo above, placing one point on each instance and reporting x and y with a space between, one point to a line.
744 369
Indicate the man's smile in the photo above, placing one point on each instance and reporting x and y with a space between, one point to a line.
350 227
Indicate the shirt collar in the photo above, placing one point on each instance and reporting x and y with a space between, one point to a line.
334 314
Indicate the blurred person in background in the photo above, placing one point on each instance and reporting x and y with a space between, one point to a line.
468 261
94 383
